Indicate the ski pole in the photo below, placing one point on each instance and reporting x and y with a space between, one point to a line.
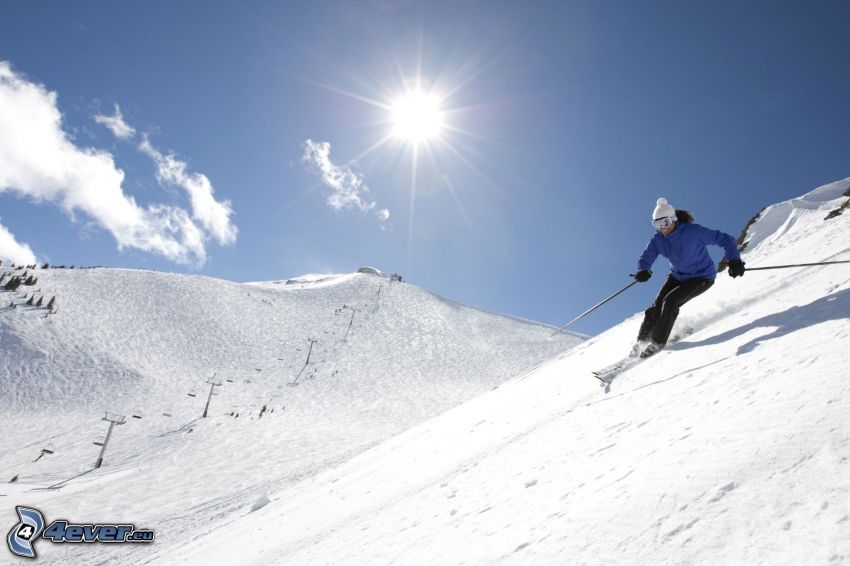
795 265
594 307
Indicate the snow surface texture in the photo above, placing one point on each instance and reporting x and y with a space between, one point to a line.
732 446
387 356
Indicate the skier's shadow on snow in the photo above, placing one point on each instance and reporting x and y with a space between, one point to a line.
832 307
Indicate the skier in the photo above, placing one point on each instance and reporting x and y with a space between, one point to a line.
692 271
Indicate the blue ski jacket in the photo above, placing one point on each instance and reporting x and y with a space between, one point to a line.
685 248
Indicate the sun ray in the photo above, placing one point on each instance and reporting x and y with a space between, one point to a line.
367 84
458 204
393 157
369 150
412 215
494 141
498 104
336 90
516 181
474 168
469 77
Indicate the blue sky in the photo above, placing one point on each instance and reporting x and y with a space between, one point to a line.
562 124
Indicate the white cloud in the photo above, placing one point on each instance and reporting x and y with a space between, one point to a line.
39 161
116 124
346 184
213 215
14 251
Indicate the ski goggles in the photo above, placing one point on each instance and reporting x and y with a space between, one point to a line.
661 223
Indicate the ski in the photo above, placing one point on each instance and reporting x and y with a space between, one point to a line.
601 378
607 374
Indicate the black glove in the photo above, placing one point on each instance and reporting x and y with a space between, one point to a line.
736 268
643 275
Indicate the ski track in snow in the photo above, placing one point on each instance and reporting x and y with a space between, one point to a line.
732 446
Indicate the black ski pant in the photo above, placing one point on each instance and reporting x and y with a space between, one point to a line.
659 318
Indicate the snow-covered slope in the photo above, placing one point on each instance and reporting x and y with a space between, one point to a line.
384 356
730 447
774 221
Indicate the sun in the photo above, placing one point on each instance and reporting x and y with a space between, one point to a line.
422 130
416 117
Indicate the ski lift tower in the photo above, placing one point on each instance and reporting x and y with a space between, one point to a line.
213 384
350 322
113 419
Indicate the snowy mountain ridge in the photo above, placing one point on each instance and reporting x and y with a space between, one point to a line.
732 446
775 220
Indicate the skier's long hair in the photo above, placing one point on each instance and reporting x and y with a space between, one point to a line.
684 217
